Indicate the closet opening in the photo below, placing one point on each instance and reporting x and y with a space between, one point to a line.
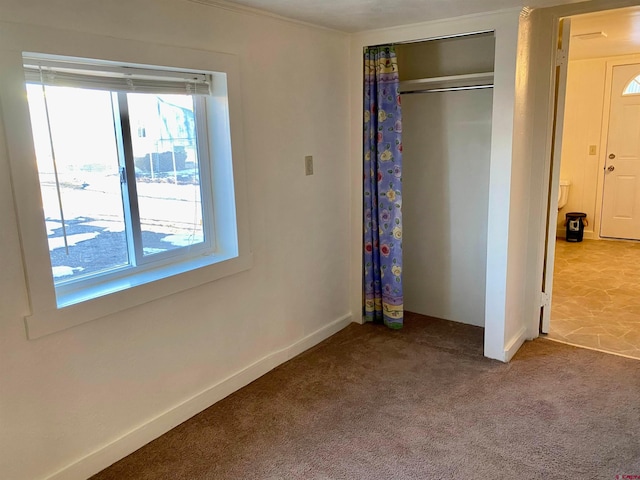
447 99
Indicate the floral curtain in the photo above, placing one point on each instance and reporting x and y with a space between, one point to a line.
382 261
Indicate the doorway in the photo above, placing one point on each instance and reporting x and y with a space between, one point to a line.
596 291
621 195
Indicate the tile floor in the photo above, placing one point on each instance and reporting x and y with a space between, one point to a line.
596 295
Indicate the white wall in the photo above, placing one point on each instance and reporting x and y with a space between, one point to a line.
128 377
519 292
583 115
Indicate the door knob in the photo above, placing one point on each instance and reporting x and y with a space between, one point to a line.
612 156
611 168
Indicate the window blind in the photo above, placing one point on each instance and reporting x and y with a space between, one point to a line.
115 78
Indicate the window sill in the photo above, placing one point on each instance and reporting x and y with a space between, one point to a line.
121 294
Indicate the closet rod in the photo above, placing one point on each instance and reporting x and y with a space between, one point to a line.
448 89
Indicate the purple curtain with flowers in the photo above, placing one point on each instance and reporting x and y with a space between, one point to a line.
382 260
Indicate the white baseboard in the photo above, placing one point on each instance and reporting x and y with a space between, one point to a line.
515 343
145 433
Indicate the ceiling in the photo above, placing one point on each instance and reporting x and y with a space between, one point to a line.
622 29
361 15
622 26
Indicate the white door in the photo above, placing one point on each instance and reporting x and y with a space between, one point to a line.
621 196
562 55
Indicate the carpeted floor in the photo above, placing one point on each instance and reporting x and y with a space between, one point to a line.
419 403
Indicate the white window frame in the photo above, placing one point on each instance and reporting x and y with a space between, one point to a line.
232 250
75 290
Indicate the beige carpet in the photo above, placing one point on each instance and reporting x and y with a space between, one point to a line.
420 403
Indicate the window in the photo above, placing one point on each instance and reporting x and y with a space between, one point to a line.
633 88
124 161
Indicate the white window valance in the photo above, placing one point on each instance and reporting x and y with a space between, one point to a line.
115 78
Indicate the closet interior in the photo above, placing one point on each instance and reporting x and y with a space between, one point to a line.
447 101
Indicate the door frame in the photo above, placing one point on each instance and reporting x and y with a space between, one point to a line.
559 102
604 135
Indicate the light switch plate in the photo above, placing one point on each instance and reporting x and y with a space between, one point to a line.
308 165
593 149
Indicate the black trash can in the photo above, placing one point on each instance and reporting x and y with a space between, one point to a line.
575 222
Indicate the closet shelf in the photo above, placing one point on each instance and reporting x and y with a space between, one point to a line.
453 82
